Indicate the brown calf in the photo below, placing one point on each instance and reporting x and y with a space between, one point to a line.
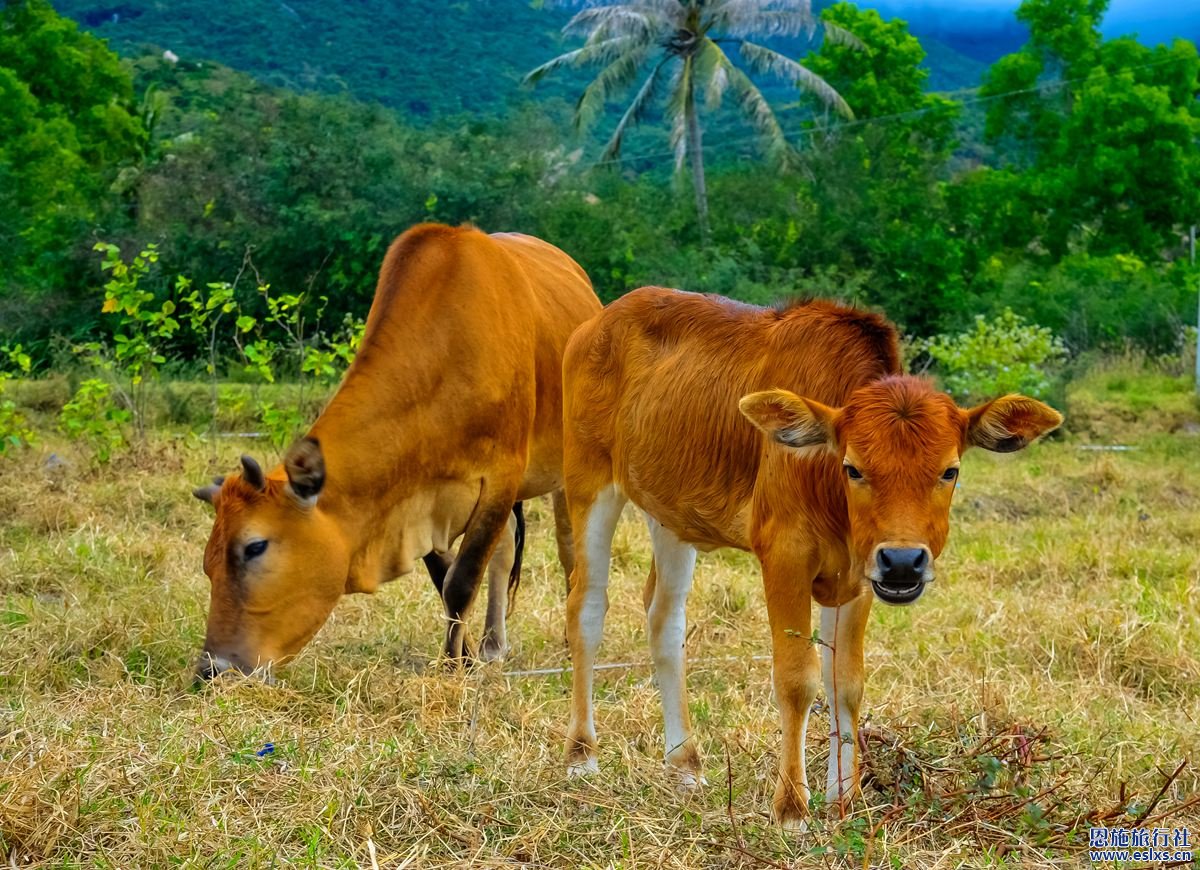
450 413
791 433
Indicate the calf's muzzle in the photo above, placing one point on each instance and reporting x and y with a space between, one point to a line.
901 573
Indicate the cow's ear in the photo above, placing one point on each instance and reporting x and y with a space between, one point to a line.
1009 423
305 467
791 420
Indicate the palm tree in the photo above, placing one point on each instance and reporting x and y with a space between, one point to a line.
684 42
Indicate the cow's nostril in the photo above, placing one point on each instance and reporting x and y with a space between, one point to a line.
902 567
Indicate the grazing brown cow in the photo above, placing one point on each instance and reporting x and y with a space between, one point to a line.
450 413
791 433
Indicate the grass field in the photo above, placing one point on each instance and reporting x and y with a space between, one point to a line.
1050 678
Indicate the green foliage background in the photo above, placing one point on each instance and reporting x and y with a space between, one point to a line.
1063 190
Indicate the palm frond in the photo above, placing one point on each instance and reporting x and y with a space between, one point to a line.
712 72
763 23
601 22
615 77
680 104
635 112
590 54
841 36
764 60
756 108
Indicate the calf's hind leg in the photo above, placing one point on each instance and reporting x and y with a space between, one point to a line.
666 618
594 518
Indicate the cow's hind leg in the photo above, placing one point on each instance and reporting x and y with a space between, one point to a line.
666 617
500 569
479 541
842 630
594 518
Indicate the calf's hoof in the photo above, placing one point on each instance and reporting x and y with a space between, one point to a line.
790 808
687 781
583 767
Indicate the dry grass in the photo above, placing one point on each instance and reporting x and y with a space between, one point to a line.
1052 677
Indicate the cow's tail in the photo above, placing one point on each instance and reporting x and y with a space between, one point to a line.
514 576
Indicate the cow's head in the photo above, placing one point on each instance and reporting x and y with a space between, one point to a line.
276 561
899 443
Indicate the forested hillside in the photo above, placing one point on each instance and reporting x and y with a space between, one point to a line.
425 57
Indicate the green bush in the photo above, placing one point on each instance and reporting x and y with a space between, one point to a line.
14 428
93 418
998 356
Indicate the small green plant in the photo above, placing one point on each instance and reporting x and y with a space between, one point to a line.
14 428
281 423
93 417
327 360
998 356
146 324
204 310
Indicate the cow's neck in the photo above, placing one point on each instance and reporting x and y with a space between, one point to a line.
385 461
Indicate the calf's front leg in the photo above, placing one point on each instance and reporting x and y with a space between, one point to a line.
796 673
842 666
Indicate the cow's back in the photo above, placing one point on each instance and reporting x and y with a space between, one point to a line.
653 384
463 344
560 298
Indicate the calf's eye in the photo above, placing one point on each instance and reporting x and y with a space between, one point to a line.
852 472
950 474
255 549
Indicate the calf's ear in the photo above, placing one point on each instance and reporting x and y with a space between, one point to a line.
1009 423
305 467
791 420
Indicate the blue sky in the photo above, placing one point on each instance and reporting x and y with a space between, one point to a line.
1152 20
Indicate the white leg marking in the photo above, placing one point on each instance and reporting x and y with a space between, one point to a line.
842 728
675 563
597 541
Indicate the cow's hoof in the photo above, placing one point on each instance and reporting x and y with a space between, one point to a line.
492 652
584 767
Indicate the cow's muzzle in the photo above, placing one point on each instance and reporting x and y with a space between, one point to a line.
211 665
900 573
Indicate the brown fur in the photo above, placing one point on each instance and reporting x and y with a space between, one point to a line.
451 412
653 389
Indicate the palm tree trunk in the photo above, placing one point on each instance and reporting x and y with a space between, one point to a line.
697 155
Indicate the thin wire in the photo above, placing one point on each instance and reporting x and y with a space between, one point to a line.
912 113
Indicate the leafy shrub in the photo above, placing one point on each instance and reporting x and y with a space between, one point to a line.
94 418
14 428
998 356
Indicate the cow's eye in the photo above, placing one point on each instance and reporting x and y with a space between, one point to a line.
255 549
852 472
950 473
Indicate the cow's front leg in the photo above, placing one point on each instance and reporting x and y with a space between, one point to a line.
479 540
842 662
503 576
797 677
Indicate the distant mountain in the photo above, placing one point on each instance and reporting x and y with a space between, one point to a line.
432 58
